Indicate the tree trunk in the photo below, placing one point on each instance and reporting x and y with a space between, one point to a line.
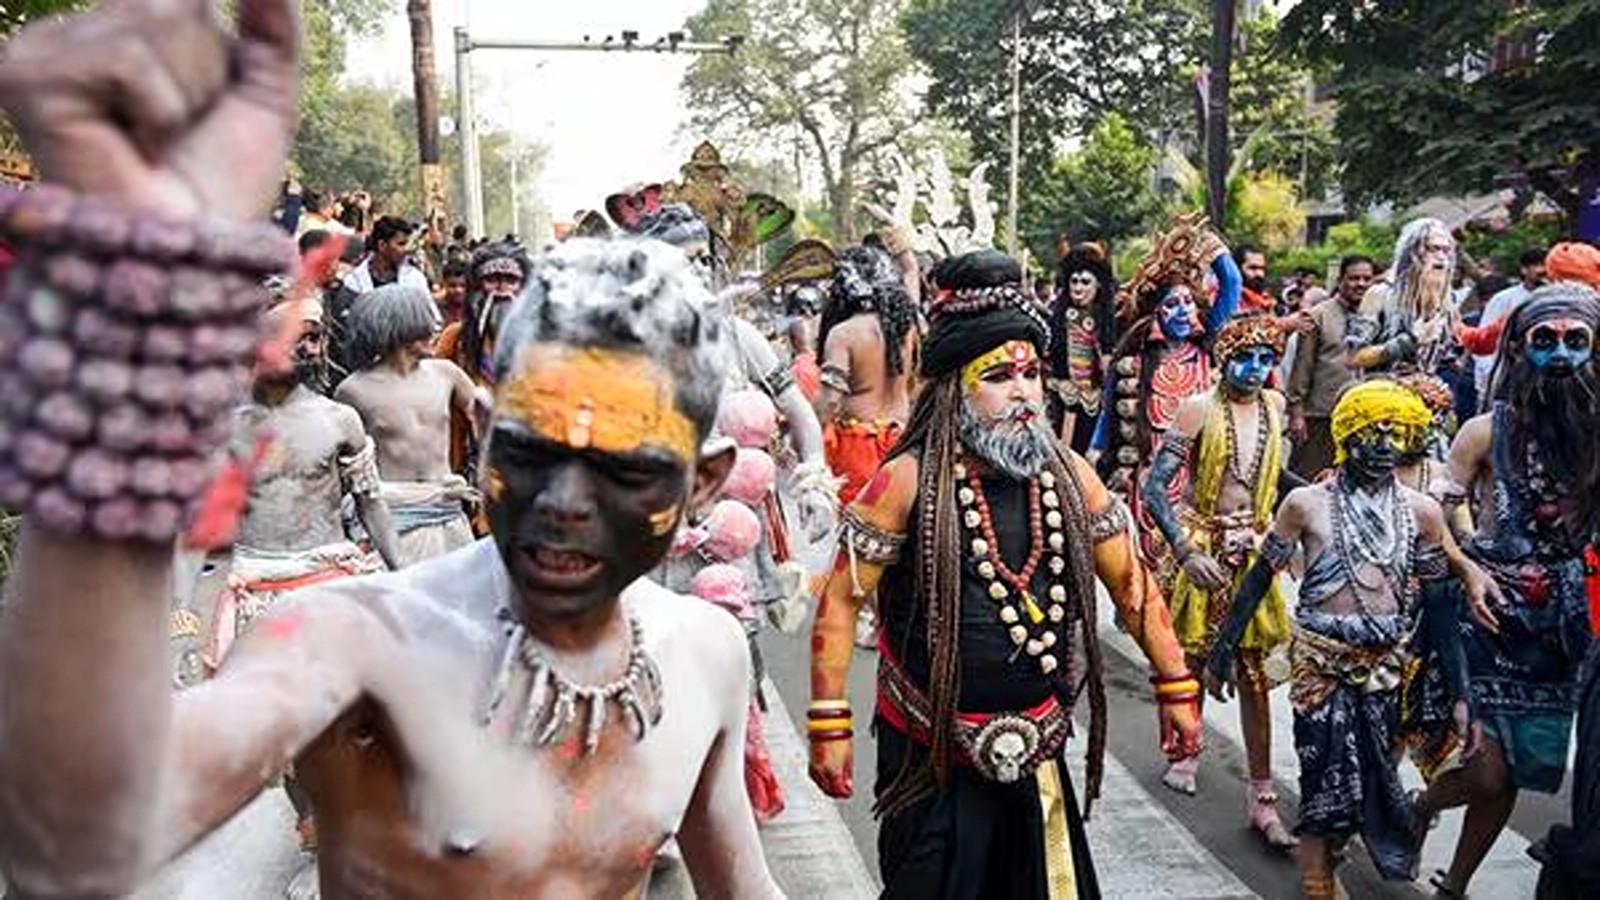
1222 21
425 82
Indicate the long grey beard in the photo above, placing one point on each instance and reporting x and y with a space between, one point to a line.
1015 448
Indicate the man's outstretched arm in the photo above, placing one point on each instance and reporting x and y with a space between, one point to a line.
96 800
198 130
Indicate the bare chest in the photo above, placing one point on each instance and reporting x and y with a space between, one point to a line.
472 811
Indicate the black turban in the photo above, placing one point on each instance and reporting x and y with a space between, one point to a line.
979 307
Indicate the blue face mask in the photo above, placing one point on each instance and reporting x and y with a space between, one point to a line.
1248 369
1560 348
1176 314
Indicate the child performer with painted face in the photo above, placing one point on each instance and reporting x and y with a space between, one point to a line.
1377 585
1230 441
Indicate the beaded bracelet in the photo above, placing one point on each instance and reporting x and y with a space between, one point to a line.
125 339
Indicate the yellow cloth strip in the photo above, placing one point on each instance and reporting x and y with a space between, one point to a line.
828 724
1061 877
1178 687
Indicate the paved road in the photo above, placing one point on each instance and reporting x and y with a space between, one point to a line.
1147 841
1151 842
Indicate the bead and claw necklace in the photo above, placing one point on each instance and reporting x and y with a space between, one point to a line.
555 704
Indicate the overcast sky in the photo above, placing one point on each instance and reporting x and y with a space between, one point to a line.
607 119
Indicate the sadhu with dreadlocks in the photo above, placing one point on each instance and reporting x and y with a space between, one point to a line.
984 537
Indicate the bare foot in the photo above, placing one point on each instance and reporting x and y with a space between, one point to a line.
1264 816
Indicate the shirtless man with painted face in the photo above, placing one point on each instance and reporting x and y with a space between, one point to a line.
441 719
305 453
405 398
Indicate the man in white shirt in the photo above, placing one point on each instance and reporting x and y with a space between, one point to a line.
1531 265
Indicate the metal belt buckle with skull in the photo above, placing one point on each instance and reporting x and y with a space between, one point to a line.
1006 747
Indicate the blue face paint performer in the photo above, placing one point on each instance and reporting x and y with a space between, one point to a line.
1230 440
1533 467
1162 358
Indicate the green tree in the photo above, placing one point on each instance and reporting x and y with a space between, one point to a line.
1103 191
1424 110
16 13
1079 62
1270 94
833 72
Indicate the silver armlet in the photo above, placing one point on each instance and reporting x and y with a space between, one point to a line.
359 471
868 543
836 378
1430 563
1110 522
780 379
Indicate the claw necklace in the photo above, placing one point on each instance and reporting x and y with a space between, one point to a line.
555 704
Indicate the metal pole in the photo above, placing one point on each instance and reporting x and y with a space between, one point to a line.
471 170
467 128
516 207
1217 161
1016 131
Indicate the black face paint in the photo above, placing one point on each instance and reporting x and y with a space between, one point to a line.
1376 451
575 527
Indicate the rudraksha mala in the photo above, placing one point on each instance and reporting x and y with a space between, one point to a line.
125 340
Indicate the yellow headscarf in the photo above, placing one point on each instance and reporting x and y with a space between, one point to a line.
1376 401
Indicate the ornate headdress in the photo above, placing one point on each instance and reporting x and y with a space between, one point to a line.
500 258
1431 389
1375 401
1183 254
1244 332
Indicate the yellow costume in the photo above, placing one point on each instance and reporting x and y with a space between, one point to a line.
1232 540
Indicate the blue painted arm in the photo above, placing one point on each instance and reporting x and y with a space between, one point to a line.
1230 285
1102 425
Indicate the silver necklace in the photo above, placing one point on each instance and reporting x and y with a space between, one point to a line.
1371 532
555 704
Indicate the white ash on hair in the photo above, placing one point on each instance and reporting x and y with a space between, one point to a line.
625 293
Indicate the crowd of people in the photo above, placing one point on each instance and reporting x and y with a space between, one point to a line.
502 528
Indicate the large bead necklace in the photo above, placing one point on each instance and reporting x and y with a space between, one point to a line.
1032 628
1247 477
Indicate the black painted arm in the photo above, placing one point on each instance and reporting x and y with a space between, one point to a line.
1164 470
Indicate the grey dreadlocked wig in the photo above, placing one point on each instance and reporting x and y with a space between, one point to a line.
388 318
626 293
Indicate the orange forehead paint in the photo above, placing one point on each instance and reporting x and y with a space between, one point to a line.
1015 354
589 398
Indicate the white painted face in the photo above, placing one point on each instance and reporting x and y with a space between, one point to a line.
1081 288
1438 251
